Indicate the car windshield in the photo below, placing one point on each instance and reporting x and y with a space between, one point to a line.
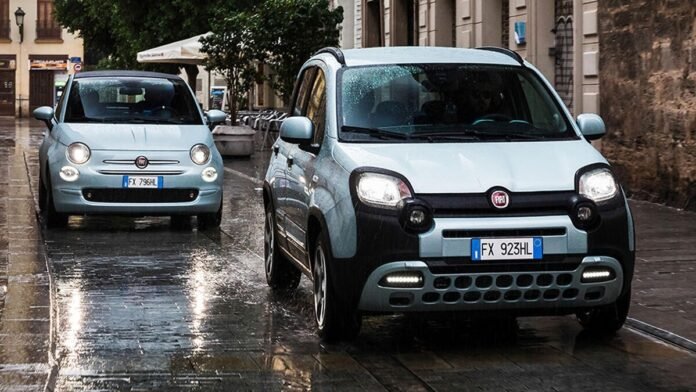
131 100
447 102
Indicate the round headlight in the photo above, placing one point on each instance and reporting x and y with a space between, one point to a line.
78 153
200 153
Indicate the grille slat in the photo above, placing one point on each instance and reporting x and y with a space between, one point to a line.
504 233
140 196
478 204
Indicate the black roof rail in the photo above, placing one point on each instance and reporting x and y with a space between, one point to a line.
504 51
336 52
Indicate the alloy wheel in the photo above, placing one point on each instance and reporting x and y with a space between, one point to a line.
269 243
320 283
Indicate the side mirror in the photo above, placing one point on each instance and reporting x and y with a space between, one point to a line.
297 130
215 116
591 126
45 114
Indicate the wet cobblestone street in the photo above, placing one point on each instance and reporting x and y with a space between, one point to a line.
135 304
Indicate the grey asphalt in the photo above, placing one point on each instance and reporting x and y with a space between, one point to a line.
134 304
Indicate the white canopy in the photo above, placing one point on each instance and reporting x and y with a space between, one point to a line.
187 51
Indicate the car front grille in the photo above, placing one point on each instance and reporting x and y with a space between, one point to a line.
115 195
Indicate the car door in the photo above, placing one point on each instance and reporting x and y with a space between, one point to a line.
282 156
301 169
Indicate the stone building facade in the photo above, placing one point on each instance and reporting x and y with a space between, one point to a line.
561 36
648 79
34 65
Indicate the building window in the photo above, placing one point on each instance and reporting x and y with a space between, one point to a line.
373 34
5 21
563 70
404 28
46 25
505 24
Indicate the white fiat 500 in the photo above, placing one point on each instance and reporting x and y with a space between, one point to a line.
129 143
443 180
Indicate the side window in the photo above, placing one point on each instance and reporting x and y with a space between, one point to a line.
316 107
304 89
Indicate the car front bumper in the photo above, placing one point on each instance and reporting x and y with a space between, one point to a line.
514 290
100 189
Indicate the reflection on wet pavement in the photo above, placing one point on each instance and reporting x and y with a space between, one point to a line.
144 306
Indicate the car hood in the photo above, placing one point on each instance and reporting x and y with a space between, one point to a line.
135 136
476 167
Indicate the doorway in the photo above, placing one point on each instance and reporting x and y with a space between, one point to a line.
7 93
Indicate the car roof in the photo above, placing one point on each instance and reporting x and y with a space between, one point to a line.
122 73
420 54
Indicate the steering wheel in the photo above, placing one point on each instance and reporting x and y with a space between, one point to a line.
164 110
494 117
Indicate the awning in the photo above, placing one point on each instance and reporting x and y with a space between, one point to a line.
187 51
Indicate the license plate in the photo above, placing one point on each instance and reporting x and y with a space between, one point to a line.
507 248
142 182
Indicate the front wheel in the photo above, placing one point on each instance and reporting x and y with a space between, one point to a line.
211 220
53 218
335 319
606 320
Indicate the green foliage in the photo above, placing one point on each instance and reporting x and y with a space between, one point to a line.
280 33
289 32
116 30
230 50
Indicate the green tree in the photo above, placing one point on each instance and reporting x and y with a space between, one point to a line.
231 51
114 31
289 32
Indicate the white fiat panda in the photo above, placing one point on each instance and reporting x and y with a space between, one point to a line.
413 179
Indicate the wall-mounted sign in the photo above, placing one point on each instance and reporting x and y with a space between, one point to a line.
75 59
8 64
49 65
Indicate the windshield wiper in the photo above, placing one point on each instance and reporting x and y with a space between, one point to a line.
459 134
517 135
377 132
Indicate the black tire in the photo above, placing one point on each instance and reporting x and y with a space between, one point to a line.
52 218
335 319
606 320
210 221
281 274
180 222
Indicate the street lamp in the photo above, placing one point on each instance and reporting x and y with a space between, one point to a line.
19 18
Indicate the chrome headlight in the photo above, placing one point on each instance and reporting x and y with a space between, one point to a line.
200 153
598 185
381 190
78 153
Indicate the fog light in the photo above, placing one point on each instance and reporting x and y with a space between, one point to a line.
69 174
403 279
209 174
417 217
585 214
594 275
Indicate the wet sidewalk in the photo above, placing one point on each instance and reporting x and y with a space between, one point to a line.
25 322
664 294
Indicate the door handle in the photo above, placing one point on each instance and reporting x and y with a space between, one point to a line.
290 161
276 149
